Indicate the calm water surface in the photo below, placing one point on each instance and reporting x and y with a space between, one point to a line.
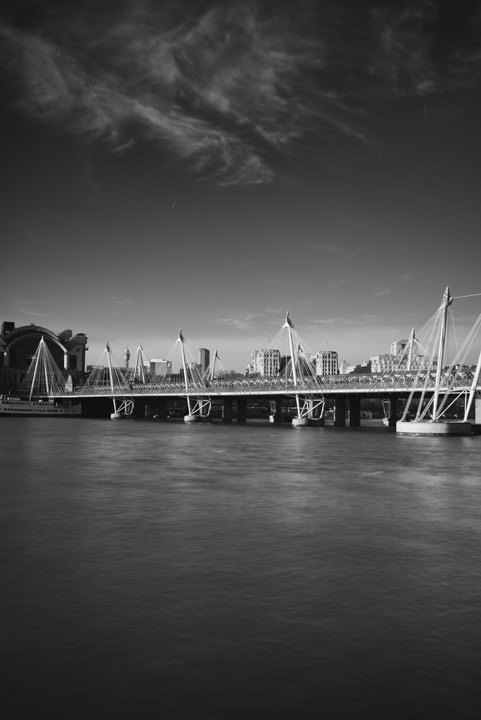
165 570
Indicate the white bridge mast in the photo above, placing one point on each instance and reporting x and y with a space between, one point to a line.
201 407
311 403
288 325
37 360
180 340
126 405
447 300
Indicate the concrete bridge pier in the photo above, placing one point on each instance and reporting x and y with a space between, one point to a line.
340 411
316 410
160 409
149 410
354 411
276 407
139 408
393 411
241 409
227 409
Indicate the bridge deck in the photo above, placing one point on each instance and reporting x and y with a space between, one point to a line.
376 384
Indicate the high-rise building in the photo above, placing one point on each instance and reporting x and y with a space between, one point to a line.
266 362
204 359
327 362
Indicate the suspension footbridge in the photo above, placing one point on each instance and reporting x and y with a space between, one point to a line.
427 392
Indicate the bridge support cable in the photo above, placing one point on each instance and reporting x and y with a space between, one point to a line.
309 405
410 357
122 405
454 379
437 343
210 372
451 382
141 362
106 379
44 379
199 404
408 368
426 363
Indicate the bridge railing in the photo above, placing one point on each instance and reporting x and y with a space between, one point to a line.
324 384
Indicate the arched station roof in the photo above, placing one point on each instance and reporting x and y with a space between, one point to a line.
31 331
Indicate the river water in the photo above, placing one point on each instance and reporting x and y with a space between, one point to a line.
165 570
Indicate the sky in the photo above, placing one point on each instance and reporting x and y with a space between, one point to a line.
210 166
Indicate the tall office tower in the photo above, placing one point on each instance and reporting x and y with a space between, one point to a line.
204 359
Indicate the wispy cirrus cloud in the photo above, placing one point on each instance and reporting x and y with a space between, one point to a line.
216 88
32 308
426 45
118 301
335 249
328 248
222 86
336 320
403 56
239 321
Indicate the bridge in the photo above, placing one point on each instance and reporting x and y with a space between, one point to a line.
431 388
345 391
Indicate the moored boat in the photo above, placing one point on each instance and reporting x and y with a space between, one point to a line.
40 408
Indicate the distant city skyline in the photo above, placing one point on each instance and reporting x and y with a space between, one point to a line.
241 347
211 166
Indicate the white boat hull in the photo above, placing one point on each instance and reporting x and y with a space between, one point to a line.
37 408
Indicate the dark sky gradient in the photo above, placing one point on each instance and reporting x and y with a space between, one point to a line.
212 168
